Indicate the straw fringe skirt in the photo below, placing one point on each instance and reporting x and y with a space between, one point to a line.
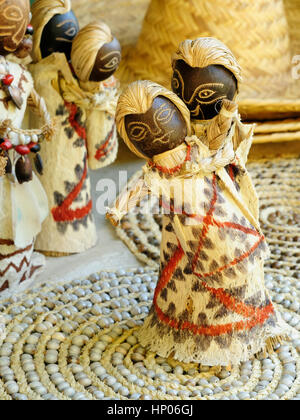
210 304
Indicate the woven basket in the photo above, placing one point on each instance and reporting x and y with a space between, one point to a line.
125 17
293 16
257 32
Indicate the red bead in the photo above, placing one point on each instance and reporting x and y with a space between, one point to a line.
31 144
22 150
8 79
6 145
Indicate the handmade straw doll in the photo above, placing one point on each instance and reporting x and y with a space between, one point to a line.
96 55
210 305
23 202
205 73
85 135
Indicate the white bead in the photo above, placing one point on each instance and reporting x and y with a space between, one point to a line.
85 381
51 356
69 392
12 387
22 138
4 361
59 336
34 138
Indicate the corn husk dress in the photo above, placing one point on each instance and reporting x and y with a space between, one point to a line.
86 137
210 305
23 207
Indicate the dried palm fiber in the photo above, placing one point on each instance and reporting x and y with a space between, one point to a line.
23 207
99 99
263 53
199 260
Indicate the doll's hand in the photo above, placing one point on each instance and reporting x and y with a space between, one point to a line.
111 217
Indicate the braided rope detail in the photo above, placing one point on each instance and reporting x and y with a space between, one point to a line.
217 131
3 162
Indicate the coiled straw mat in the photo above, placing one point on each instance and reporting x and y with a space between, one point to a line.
257 32
78 341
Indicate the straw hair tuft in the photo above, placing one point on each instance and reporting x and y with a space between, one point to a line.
86 46
137 99
42 12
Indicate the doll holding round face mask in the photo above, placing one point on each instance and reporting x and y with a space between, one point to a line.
87 134
23 202
210 305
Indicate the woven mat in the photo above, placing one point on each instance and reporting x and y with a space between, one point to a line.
78 341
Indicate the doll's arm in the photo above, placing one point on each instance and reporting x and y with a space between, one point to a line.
127 200
102 142
38 106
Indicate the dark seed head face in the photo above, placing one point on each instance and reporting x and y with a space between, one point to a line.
203 89
58 35
107 61
160 129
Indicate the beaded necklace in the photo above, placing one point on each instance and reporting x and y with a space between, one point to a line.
175 169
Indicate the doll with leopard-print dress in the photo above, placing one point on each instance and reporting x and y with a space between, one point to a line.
83 97
210 305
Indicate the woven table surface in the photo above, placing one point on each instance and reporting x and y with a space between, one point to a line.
78 341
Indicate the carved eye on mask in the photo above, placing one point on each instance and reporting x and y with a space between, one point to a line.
58 35
203 89
107 61
158 130
164 114
14 18
177 83
138 131
208 93
113 62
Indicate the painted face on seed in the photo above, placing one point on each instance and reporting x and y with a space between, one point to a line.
107 61
160 129
203 89
58 35
14 18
